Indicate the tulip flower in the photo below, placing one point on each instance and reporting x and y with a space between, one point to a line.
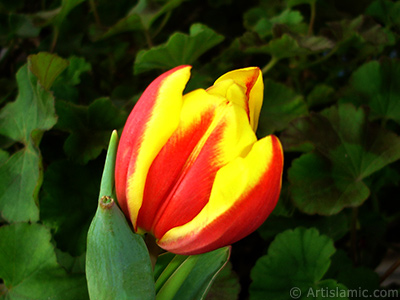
189 168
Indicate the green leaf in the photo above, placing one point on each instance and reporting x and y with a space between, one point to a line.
315 43
226 285
171 286
64 10
25 121
149 11
22 26
90 127
385 11
180 49
317 189
46 67
33 111
355 278
20 177
76 67
379 83
335 226
29 267
291 3
141 16
321 94
296 262
288 46
361 33
188 277
129 23
281 105
282 47
3 156
65 85
257 19
117 261
68 202
347 150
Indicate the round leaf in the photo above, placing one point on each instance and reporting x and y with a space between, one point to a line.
297 259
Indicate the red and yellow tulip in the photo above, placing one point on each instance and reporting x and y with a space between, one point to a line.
190 169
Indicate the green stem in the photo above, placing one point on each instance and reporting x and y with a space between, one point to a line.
56 32
163 23
270 65
173 265
148 38
95 13
171 287
154 249
322 59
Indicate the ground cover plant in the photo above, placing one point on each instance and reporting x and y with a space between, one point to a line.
71 71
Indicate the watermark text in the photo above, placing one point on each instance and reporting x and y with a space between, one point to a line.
297 293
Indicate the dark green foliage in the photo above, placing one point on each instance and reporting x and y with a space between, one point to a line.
70 72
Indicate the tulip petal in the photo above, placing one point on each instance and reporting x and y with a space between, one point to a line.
245 190
151 123
212 133
251 80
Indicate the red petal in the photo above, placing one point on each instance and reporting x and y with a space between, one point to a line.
248 213
132 136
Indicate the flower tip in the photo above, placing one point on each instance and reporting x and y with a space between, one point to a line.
181 67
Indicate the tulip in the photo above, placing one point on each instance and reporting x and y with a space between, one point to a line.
189 168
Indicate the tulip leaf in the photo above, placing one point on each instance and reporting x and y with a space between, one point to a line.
167 264
107 180
124 269
294 267
24 121
281 105
170 288
380 84
188 277
29 268
331 177
90 127
180 49
117 261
